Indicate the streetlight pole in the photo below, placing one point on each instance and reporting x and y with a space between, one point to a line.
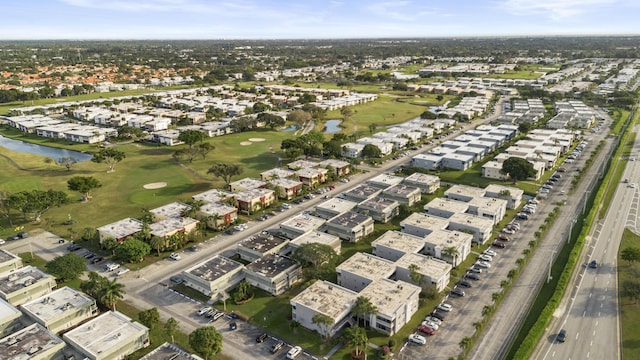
550 264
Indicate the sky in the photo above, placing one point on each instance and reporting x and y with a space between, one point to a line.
315 19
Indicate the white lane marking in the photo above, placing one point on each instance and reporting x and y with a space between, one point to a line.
601 305
605 289
598 313
590 295
577 334
584 313
594 332
596 322
554 354
588 354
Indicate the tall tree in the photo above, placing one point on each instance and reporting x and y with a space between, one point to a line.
324 323
452 252
149 318
300 117
35 203
67 162
171 326
316 258
67 267
132 250
93 285
363 308
5 206
206 341
225 171
111 292
83 185
157 243
109 156
371 151
518 169
357 337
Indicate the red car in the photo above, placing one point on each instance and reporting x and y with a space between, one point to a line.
499 244
426 330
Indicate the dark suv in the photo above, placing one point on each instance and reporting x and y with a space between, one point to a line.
261 338
562 336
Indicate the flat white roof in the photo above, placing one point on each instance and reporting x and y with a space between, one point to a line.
388 295
326 298
8 311
465 190
315 237
213 195
513 191
422 178
122 228
446 238
337 205
472 220
173 209
446 204
427 265
488 204
425 221
385 180
105 332
303 223
368 266
57 302
170 225
400 241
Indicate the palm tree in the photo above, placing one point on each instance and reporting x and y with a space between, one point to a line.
452 252
356 337
465 342
157 243
93 285
414 275
323 322
111 293
363 308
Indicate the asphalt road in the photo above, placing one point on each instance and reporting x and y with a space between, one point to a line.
590 310
495 339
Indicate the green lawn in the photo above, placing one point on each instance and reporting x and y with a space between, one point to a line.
629 309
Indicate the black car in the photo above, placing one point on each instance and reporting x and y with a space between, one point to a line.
89 255
562 336
14 237
96 259
193 248
499 244
22 235
472 276
262 337
277 346
465 283
438 315
593 264
457 292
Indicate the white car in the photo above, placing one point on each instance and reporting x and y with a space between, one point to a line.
482 264
286 206
485 257
122 271
508 231
445 307
175 256
2 242
417 339
490 252
204 310
295 351
633 185
111 266
430 324
433 320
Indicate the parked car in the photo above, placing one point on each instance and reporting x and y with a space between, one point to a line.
484 257
433 320
439 315
444 307
262 337
286 206
217 315
472 276
593 264
457 292
2 242
22 235
175 256
490 252
122 271
464 283
89 255
233 326
431 324
562 336
277 346
111 266
508 231
482 264
428 330
499 244
176 279
417 339
204 310
97 259
193 248
475 270
293 352
503 237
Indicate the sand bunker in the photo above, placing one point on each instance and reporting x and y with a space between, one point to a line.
158 185
256 139
245 143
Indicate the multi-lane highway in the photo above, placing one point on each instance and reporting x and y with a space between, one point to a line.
589 312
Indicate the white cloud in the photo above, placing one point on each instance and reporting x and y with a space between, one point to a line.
401 10
556 9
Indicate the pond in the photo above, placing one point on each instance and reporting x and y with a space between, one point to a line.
332 126
290 128
54 153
